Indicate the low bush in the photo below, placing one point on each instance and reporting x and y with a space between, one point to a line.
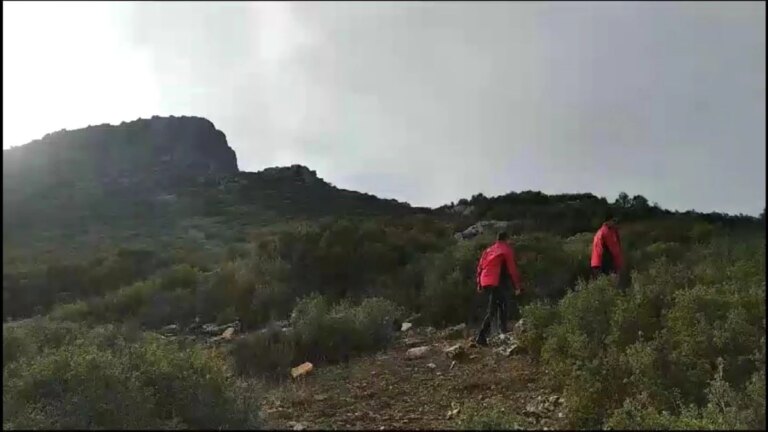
549 266
725 409
683 347
166 298
107 378
320 333
36 290
450 295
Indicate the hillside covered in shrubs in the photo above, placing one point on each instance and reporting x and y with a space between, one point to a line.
104 301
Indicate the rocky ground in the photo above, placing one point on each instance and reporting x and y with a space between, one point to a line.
427 380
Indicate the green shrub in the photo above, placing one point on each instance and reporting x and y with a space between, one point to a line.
404 286
587 312
182 276
328 333
163 308
320 333
475 417
375 318
669 250
647 357
73 312
28 338
450 295
166 298
702 232
706 323
725 410
548 266
540 316
253 289
270 352
98 376
46 284
117 306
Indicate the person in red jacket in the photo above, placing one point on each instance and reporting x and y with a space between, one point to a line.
496 271
607 257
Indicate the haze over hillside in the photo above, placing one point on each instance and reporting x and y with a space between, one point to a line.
153 178
162 177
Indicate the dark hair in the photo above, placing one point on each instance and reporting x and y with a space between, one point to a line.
502 236
609 215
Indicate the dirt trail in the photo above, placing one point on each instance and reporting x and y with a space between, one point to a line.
390 391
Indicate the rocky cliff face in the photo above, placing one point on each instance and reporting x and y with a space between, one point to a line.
70 180
135 152
154 176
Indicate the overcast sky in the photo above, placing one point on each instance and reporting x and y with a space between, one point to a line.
423 102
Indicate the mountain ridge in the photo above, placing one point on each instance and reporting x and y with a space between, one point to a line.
156 176
151 178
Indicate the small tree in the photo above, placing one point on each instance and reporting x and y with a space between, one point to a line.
623 201
639 202
478 198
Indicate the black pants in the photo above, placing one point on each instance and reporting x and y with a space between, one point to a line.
604 270
498 301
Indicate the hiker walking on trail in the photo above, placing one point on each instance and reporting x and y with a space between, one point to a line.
607 256
496 276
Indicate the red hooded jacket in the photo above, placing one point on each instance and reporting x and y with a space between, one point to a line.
607 237
489 267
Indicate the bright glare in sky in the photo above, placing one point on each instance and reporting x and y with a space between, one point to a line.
68 65
65 66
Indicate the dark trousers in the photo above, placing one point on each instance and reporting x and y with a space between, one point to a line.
604 270
498 302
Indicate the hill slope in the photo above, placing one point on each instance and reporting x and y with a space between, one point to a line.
186 293
146 180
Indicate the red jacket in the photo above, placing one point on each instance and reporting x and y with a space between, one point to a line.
607 237
489 267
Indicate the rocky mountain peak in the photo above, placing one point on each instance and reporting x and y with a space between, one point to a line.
160 147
